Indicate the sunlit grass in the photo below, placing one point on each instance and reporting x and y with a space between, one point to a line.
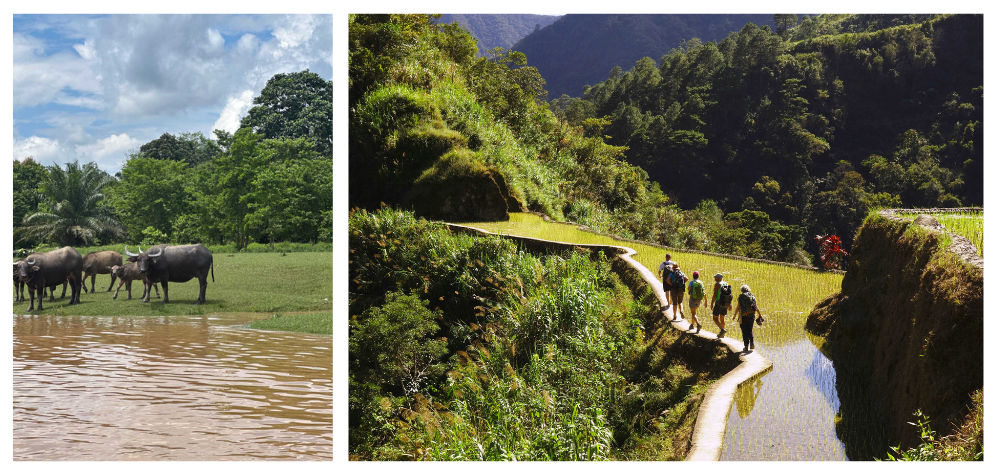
787 414
966 223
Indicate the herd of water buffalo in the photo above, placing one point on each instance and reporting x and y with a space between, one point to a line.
158 265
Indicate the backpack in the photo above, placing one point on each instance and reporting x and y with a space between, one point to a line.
748 304
677 280
725 293
696 290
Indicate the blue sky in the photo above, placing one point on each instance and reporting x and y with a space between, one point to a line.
96 87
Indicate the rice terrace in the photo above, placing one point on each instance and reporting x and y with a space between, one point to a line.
172 238
665 237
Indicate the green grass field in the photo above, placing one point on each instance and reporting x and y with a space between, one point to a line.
968 224
246 282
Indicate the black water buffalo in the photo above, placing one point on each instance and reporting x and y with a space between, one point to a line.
50 269
18 285
99 262
164 264
126 274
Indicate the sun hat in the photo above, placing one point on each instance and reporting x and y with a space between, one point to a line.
695 273
719 274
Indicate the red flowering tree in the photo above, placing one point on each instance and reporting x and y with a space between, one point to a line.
831 251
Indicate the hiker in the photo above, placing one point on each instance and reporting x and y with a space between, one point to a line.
722 303
696 295
677 280
665 268
746 305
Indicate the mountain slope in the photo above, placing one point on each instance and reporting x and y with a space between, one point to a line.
579 50
494 30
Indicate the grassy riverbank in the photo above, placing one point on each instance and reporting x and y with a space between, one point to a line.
244 282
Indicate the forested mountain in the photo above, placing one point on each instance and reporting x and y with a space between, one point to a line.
812 132
498 30
579 50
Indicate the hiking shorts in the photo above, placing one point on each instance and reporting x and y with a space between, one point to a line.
719 309
694 303
676 296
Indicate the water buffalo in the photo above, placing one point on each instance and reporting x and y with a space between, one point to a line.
50 269
164 264
18 285
126 274
99 262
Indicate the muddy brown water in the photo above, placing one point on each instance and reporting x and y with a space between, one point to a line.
169 388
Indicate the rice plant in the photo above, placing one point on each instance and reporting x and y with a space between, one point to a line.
966 222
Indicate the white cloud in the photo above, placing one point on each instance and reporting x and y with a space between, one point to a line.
248 43
41 79
215 39
40 148
108 152
295 30
86 50
236 108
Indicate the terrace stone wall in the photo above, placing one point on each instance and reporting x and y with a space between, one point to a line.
906 329
710 426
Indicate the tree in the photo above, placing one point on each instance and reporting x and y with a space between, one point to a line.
151 193
74 209
785 22
190 147
295 105
28 175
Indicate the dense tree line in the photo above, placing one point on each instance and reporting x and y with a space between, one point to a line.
270 181
813 133
578 50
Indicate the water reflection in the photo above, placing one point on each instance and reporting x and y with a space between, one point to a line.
179 388
746 396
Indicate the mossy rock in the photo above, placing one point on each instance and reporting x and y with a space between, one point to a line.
458 187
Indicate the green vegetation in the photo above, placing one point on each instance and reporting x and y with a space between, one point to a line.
813 132
467 348
245 282
965 444
266 183
965 223
321 323
580 49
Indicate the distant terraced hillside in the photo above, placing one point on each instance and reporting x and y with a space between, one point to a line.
494 30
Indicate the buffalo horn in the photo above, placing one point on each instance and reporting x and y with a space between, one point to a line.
31 261
132 254
157 253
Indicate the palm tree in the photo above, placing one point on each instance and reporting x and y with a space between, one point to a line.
75 213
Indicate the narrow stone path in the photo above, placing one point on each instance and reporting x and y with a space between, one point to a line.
710 426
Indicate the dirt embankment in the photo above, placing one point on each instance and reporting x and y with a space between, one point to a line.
905 333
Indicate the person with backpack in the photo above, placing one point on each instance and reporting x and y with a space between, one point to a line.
666 267
677 280
746 306
722 303
696 295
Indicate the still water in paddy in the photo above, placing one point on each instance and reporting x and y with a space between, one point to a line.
169 388
788 413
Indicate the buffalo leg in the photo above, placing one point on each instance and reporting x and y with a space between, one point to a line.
157 289
166 296
113 277
202 285
64 292
52 293
120 283
31 293
85 282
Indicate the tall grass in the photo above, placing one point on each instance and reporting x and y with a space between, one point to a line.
966 222
537 350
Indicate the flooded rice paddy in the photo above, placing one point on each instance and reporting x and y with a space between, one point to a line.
788 413
169 388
